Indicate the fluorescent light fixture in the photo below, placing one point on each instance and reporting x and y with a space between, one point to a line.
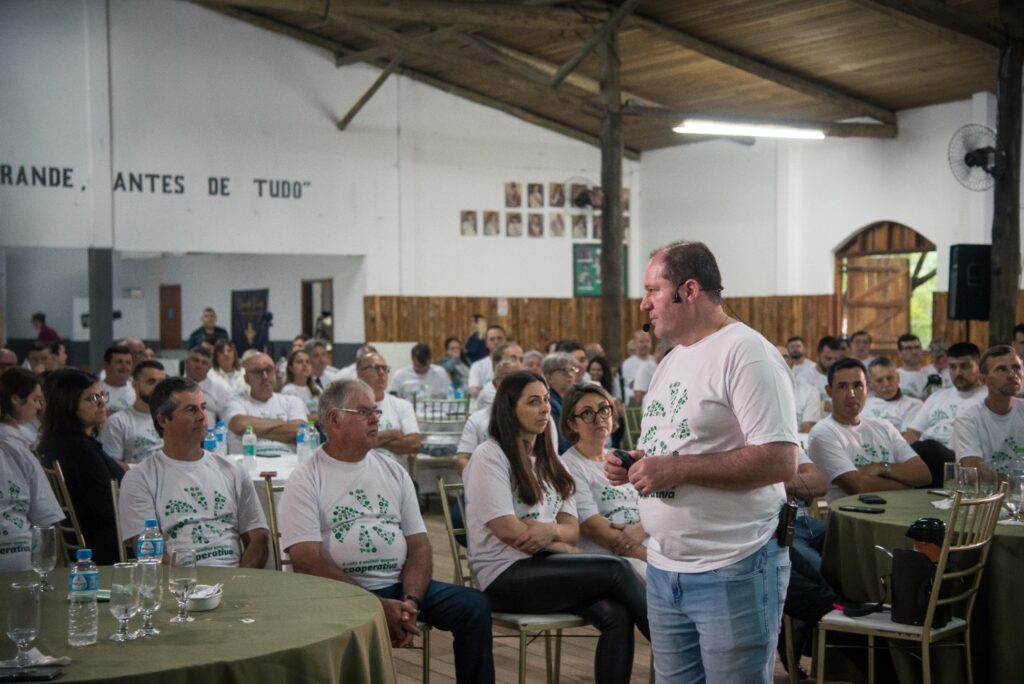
747 130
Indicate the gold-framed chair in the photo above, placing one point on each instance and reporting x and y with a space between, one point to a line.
970 528
441 423
631 434
528 626
71 538
115 495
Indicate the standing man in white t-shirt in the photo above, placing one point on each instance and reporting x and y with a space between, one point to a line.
913 378
129 436
201 501
858 454
718 443
988 434
275 418
930 432
398 434
117 375
482 371
351 514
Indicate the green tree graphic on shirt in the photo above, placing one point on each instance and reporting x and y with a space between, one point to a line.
677 398
871 454
203 529
345 518
19 508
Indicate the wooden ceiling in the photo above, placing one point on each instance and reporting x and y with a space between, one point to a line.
847 64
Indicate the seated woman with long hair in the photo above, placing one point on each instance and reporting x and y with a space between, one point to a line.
227 368
299 376
76 406
21 403
609 516
522 528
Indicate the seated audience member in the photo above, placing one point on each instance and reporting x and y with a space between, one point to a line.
532 361
860 347
45 332
642 381
351 514
913 377
455 363
600 371
593 349
8 359
398 433
801 362
482 371
202 501
858 454
506 351
889 403
209 328
117 368
560 373
351 371
76 406
275 418
320 361
930 432
137 348
474 433
579 355
197 369
40 358
423 379
25 497
129 436
640 356
59 351
523 525
830 350
808 405
939 365
988 433
227 369
298 344
1018 340
609 515
299 382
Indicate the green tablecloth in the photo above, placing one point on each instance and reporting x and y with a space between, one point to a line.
305 629
852 565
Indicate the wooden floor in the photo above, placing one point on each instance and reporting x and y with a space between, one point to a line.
577 649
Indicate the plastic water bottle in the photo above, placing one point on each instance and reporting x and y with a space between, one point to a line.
221 433
301 448
150 543
312 438
210 442
249 451
83 583
452 392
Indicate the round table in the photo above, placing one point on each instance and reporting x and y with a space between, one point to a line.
303 629
852 565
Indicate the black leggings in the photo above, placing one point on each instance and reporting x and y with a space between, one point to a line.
604 590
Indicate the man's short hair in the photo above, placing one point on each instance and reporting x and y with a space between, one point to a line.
881 362
556 362
39 316
39 346
832 342
1019 328
996 351
108 354
843 364
861 333
337 395
794 338
938 346
568 346
962 349
495 327
143 365
533 353
498 353
209 309
314 342
691 260
202 351
906 337
421 353
163 403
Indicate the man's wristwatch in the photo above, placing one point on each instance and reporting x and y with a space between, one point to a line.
886 468
414 598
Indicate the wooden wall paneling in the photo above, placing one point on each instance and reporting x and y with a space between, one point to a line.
955 331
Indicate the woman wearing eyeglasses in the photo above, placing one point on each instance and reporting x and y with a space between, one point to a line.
76 406
609 515
523 527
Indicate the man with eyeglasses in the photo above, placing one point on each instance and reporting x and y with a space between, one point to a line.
560 370
913 378
275 418
351 514
398 434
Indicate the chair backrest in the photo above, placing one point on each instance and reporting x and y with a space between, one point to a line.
972 522
269 488
71 538
448 491
442 411
115 495
632 419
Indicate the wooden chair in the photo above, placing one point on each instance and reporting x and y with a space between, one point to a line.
528 626
970 529
71 538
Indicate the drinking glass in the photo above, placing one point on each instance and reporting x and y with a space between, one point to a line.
151 589
181 581
987 482
949 479
23 618
1015 497
124 598
967 481
44 554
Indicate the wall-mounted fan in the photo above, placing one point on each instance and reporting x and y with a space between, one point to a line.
973 158
580 192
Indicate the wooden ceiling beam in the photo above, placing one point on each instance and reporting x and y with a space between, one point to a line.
832 129
379 51
370 92
611 26
272 25
941 21
821 91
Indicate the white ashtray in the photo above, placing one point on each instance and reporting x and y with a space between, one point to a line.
205 597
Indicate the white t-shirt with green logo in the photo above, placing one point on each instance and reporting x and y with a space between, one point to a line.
935 419
979 432
359 512
397 414
277 407
489 495
202 505
595 495
837 448
899 412
25 500
130 436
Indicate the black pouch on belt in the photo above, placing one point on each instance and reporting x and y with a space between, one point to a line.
787 522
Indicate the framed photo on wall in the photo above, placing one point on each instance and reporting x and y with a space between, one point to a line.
586 269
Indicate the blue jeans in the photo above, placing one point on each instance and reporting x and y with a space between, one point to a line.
719 626
464 612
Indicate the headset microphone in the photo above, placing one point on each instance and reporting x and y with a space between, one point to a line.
646 327
676 299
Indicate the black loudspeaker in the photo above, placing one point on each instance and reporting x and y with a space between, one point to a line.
970 278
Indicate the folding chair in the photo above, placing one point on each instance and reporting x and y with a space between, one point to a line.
71 538
528 626
971 525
